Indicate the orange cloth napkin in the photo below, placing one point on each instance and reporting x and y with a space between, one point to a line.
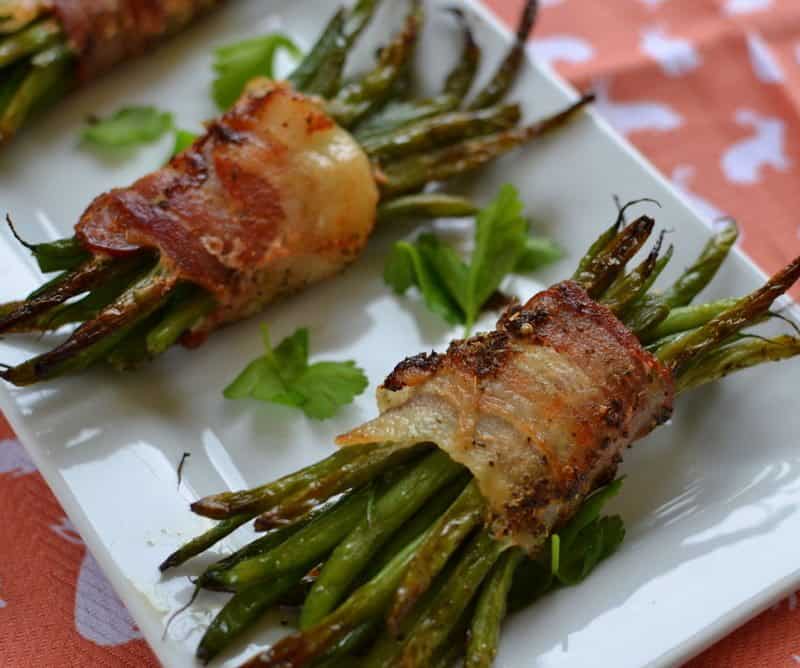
709 90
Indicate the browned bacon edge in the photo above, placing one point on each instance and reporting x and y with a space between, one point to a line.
239 207
104 32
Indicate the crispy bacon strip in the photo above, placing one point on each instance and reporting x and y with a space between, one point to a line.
273 197
539 410
104 32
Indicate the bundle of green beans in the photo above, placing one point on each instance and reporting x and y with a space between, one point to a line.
400 570
35 66
131 313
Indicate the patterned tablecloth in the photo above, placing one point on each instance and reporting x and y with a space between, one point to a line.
709 90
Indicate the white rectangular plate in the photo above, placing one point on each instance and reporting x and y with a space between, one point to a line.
711 501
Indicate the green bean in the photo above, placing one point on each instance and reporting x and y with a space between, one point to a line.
412 173
427 636
385 517
490 610
747 310
460 79
304 73
507 72
662 263
46 79
8 308
353 641
412 530
736 357
10 82
370 466
131 352
427 205
358 19
61 255
604 268
440 130
395 115
51 256
629 287
346 460
241 611
607 237
445 537
684 318
356 99
210 577
94 339
320 72
305 548
59 290
449 657
204 541
179 318
418 524
697 276
366 603
29 40
386 649
87 307
48 286
647 313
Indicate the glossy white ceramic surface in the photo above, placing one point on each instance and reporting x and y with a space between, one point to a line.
711 500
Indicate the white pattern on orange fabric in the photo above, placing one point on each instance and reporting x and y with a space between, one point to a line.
14 459
627 117
743 161
100 616
67 531
681 178
675 55
764 63
562 48
746 6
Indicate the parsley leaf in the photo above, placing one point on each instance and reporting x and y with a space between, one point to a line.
500 234
235 64
183 140
284 376
538 252
414 265
572 554
588 538
129 126
456 290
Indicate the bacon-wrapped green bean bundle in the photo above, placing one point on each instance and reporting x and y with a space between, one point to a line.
49 46
282 191
517 430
